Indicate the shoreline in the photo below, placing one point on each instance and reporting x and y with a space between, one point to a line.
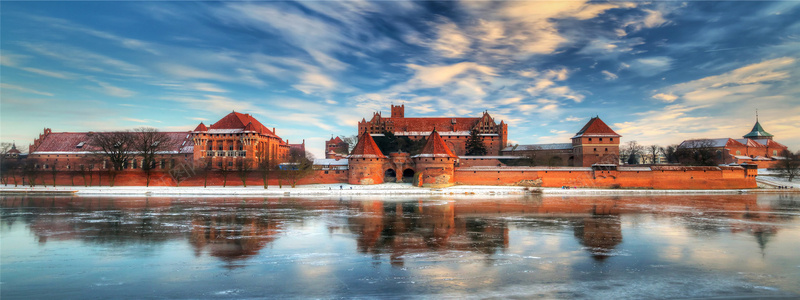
347 189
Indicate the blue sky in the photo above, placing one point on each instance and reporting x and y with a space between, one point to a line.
657 72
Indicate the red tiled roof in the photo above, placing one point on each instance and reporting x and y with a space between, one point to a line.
436 147
337 140
366 147
772 144
67 142
429 124
596 127
201 127
236 120
751 143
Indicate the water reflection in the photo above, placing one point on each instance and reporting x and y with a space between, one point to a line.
236 229
498 247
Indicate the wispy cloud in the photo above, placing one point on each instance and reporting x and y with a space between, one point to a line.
747 82
111 90
7 86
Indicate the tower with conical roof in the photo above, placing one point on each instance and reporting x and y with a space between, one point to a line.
595 143
366 162
436 163
758 132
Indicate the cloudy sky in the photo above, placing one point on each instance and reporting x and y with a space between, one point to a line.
657 72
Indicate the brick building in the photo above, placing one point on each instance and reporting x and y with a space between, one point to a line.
336 148
756 147
238 136
595 143
234 136
69 151
454 131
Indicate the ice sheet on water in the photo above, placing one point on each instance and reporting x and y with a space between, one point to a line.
677 286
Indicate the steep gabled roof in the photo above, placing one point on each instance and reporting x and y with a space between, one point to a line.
366 148
240 121
436 147
596 128
200 128
336 140
757 132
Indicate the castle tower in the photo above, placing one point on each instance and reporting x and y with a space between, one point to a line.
758 133
436 162
366 162
398 111
200 139
595 143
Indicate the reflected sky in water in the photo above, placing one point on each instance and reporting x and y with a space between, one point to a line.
556 247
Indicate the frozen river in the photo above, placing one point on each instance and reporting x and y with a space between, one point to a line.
622 247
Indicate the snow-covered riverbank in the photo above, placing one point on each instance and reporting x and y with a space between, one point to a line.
346 189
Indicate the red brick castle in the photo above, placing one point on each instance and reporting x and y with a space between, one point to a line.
454 131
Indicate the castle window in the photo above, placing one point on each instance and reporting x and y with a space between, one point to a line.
219 164
612 139
606 149
590 139
774 152
601 139
230 164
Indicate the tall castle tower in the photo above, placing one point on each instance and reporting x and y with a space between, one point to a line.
366 162
436 162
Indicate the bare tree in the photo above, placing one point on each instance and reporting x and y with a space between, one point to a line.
696 153
53 172
117 147
653 151
669 153
632 151
243 168
265 166
148 143
351 142
9 164
300 165
5 162
30 171
204 167
224 170
789 167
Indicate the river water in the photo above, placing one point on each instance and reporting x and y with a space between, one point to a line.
625 247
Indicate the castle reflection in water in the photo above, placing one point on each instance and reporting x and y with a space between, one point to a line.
236 229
